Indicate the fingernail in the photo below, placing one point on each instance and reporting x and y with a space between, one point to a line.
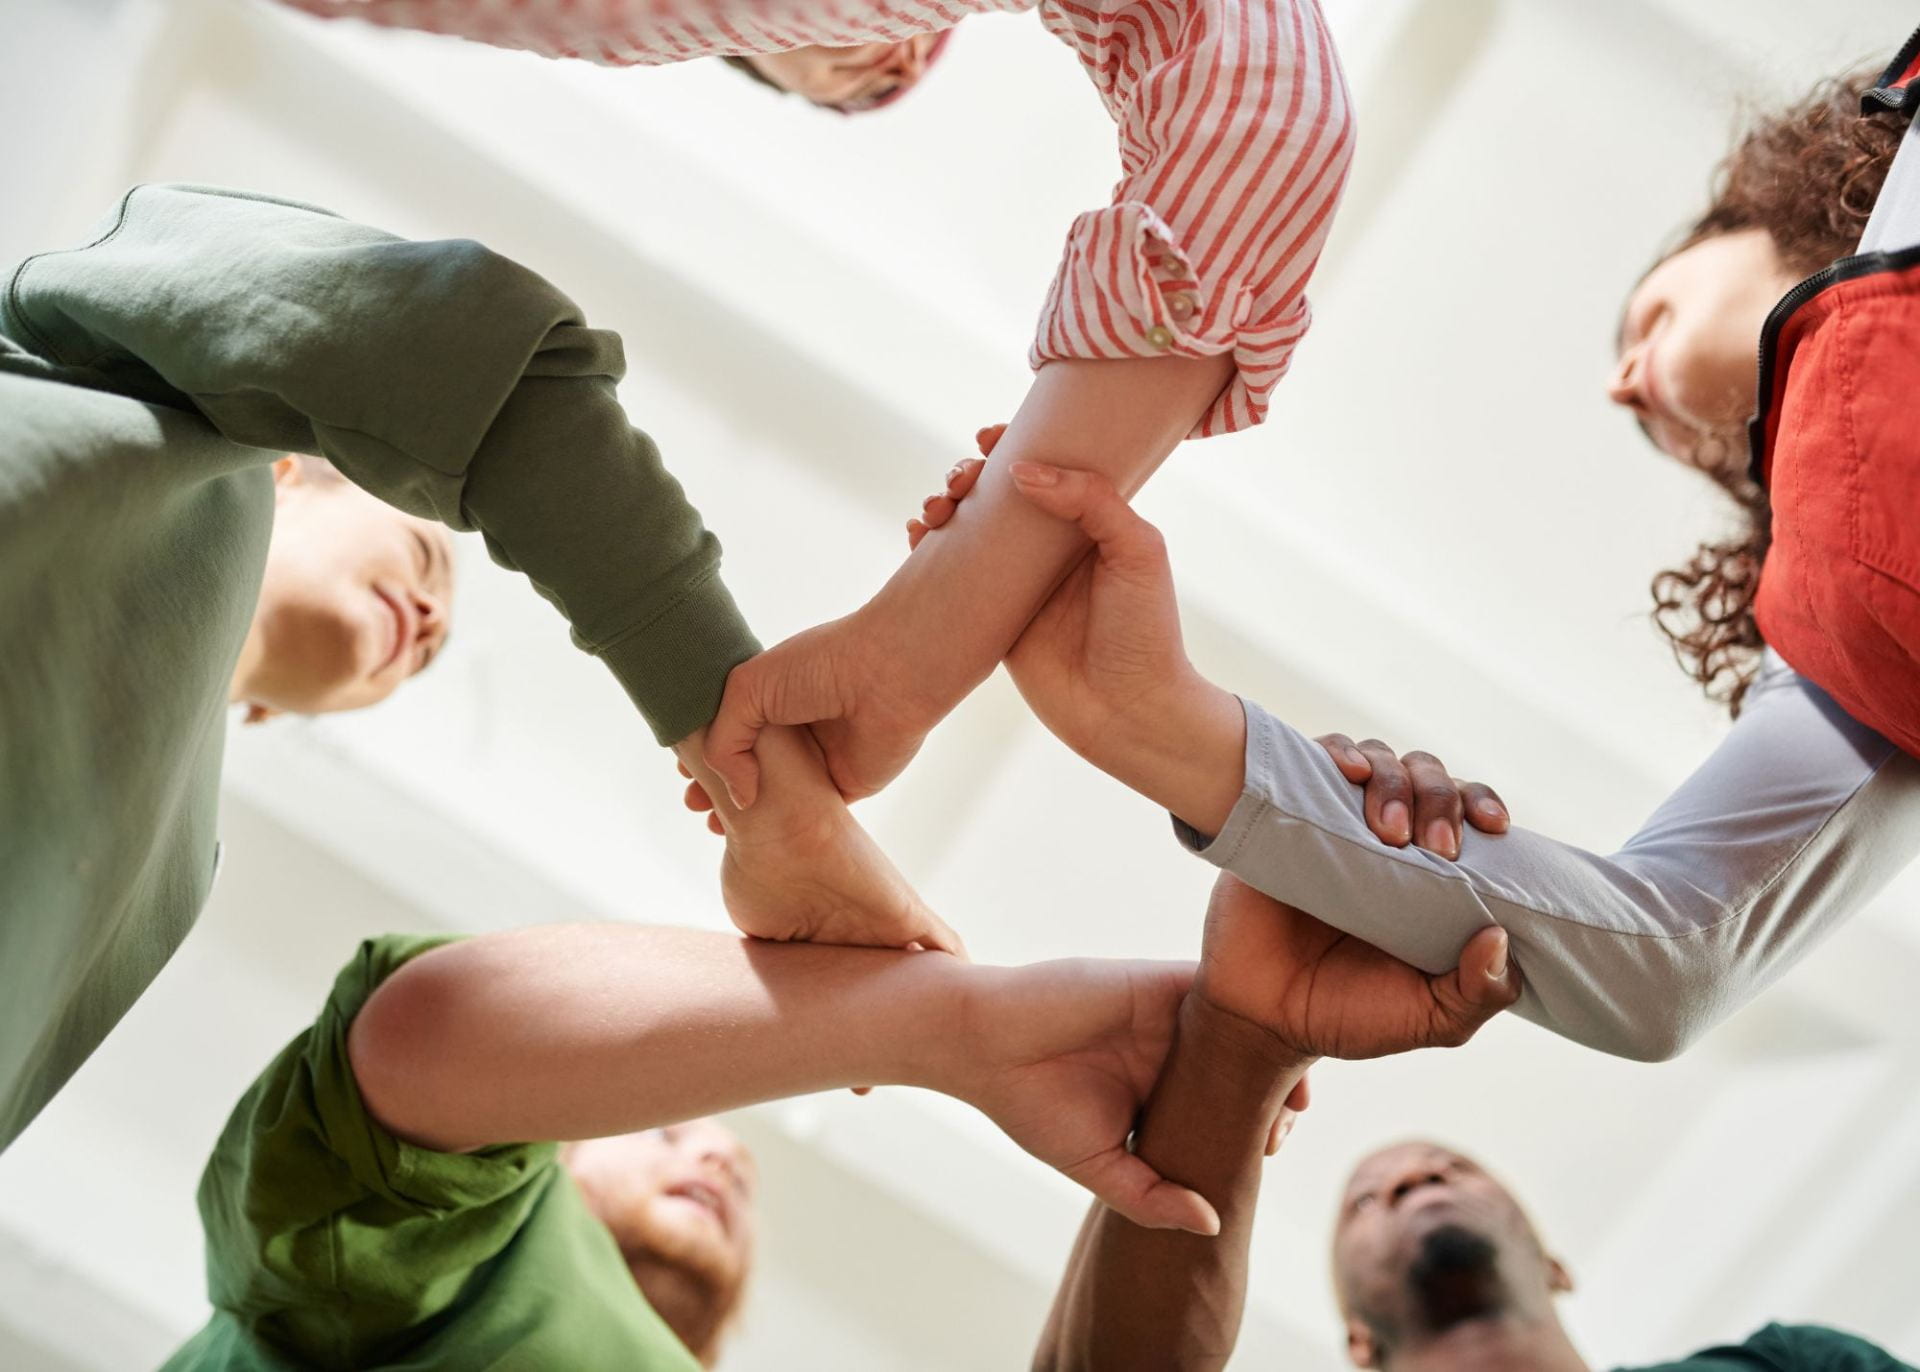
1493 809
953 473
1034 474
1354 757
1440 839
1395 818
1497 969
927 504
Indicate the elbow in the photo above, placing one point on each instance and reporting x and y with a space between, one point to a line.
1671 1015
1344 132
399 1047
1649 1043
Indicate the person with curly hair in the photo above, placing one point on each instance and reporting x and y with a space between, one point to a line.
1795 822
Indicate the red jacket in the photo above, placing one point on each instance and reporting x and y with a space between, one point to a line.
1836 444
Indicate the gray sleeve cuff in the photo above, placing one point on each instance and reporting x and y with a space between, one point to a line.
1247 810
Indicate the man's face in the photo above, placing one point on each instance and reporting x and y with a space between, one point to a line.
1426 1240
681 1196
356 597
856 78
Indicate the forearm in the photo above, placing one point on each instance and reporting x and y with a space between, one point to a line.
1790 827
957 604
1135 1297
1184 748
578 1031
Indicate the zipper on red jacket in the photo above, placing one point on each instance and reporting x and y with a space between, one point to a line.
1898 92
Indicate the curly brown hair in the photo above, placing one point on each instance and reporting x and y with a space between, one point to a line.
1808 175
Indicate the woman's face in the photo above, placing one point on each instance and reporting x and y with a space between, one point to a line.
1689 345
853 78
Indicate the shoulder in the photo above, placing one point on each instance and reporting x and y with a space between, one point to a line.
1817 1348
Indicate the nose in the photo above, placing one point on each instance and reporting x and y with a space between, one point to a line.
1627 384
723 1158
432 631
1412 1180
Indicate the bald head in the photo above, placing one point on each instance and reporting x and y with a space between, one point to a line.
1427 1241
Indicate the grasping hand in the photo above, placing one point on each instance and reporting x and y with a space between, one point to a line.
1103 667
1322 993
1067 1053
798 866
1412 798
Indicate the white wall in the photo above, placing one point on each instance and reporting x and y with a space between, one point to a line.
1443 535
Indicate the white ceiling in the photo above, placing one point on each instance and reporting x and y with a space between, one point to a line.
1442 536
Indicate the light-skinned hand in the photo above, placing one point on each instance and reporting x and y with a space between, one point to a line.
842 680
1103 667
1066 1055
798 866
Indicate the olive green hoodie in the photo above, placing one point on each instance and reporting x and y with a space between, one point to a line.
148 380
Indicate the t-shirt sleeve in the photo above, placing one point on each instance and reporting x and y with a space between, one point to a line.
329 1240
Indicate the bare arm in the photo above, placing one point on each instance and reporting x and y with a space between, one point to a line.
1133 1297
578 1031
873 683
1276 989
1001 557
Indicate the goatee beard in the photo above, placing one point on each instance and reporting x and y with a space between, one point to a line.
1455 1278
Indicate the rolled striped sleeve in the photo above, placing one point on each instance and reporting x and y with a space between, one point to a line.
1235 137
1235 134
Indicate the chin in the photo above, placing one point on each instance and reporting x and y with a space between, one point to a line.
1455 1277
692 1242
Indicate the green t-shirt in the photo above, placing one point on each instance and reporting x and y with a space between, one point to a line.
332 1244
1790 1348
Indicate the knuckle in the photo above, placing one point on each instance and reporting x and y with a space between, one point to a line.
1391 783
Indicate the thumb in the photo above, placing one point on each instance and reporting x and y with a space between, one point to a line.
934 934
1140 1195
1090 501
728 748
1485 983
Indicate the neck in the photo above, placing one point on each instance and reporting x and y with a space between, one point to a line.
1507 1343
686 1305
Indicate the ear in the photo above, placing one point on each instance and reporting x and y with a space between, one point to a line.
1559 1279
259 714
1361 1349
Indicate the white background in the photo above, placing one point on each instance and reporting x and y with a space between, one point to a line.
1443 535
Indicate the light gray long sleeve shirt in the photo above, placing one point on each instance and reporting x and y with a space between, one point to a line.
1793 824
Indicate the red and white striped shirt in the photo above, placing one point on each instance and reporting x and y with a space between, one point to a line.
1235 136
